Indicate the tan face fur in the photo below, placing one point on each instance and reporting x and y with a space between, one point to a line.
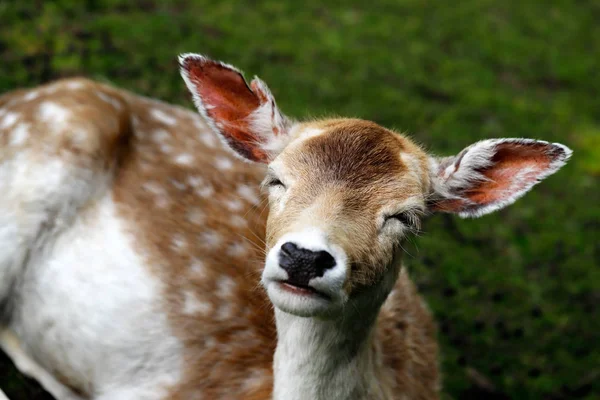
348 201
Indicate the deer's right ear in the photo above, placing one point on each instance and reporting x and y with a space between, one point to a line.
245 117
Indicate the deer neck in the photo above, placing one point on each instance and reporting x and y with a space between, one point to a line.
339 358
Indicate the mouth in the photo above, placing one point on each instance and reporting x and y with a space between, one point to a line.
301 290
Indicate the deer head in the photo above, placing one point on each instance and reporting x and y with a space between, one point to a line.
344 193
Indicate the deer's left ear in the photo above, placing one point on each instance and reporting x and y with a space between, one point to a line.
244 116
492 174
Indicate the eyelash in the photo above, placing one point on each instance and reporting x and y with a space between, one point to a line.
274 182
409 219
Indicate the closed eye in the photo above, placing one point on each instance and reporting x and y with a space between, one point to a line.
409 219
272 181
404 218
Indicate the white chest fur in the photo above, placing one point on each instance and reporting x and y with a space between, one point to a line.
91 310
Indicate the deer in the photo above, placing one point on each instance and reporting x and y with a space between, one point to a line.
151 252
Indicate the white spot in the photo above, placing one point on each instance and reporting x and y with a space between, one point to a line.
248 194
184 159
136 123
195 181
74 85
55 115
19 135
210 342
145 166
161 199
234 205
196 217
179 242
237 250
225 311
205 191
162 202
79 136
109 99
210 239
160 135
9 120
255 379
154 188
178 185
163 117
166 148
198 267
192 305
51 89
238 221
208 139
34 94
225 286
223 163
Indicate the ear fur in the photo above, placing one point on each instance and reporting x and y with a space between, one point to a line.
492 174
245 117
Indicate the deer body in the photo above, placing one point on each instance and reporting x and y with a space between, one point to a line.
133 243
98 297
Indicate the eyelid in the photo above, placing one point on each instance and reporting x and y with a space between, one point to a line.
410 214
406 213
272 180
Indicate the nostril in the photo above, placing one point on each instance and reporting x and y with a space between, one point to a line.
324 260
289 248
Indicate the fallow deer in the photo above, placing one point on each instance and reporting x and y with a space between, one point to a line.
133 245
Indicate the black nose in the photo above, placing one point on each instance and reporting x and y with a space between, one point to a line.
303 265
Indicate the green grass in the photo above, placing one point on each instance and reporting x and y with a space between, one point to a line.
515 293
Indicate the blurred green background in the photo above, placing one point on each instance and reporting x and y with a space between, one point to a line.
515 293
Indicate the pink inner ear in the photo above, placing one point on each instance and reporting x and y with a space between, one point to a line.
228 101
515 168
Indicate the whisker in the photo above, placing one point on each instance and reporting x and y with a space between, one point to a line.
256 246
261 240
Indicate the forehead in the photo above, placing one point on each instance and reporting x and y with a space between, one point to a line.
354 153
